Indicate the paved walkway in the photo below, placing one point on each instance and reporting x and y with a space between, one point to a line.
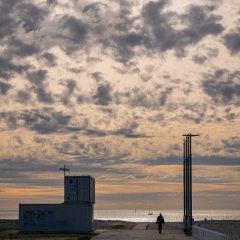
140 226
142 235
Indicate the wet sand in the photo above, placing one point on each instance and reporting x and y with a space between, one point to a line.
9 228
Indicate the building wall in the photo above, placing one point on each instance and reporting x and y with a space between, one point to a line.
79 189
56 218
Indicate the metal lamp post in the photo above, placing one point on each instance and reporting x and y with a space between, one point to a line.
187 184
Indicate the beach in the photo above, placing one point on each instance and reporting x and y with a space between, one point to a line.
9 228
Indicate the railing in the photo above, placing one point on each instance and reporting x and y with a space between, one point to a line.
205 234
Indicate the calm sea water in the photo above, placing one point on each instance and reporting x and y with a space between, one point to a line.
142 216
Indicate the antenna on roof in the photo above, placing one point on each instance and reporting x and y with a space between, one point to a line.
64 169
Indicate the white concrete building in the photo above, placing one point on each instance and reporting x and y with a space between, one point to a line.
75 215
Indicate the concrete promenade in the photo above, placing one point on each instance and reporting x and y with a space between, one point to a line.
139 232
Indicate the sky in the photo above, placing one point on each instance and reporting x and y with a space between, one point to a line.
108 88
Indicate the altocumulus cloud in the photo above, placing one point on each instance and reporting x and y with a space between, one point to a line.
109 87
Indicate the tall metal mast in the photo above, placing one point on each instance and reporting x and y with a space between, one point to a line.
187 183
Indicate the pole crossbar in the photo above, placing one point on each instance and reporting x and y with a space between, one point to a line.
187 183
64 169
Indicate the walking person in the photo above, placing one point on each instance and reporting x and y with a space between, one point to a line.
160 221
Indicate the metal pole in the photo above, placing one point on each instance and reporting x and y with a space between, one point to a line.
187 177
184 179
190 155
64 169
188 183
64 181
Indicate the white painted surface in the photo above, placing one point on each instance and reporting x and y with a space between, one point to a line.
79 189
205 234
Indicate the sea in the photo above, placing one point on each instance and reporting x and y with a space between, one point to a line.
143 216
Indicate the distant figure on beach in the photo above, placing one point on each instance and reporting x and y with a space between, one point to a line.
160 221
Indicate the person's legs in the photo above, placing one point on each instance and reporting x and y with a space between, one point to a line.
160 227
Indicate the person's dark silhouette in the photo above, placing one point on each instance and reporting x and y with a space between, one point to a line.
160 221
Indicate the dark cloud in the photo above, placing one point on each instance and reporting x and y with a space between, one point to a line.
7 68
29 118
158 118
37 77
213 52
232 143
197 120
7 22
174 147
199 59
74 137
44 128
51 59
107 110
70 85
231 116
74 129
124 44
20 166
23 97
145 77
128 68
62 119
43 96
140 97
158 33
95 133
19 48
4 88
134 135
197 160
197 108
19 140
77 30
31 16
103 96
80 99
10 119
164 96
97 76
46 121
222 86
28 164
93 10
53 2
199 20
93 60
102 157
232 41
76 70
126 24
130 132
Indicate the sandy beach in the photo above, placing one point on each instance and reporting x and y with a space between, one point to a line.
9 228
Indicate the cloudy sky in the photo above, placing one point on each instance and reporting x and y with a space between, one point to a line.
108 88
